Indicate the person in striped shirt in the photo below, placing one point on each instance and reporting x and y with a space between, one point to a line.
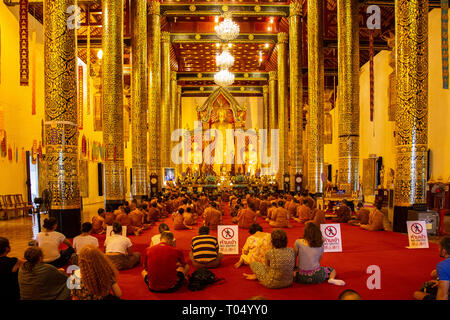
205 250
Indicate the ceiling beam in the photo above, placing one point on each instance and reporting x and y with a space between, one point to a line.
213 38
245 10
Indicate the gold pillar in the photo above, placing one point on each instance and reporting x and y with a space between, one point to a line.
315 95
265 107
282 109
139 98
411 117
179 124
112 44
154 89
165 100
348 106
296 89
61 130
173 103
272 114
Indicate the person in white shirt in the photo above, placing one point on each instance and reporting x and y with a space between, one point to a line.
83 240
156 239
119 249
49 241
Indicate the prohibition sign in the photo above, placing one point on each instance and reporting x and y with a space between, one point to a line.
330 231
416 228
227 233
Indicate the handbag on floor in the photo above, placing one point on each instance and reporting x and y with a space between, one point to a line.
202 277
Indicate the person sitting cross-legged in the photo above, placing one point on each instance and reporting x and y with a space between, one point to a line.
205 250
279 264
96 276
375 220
9 269
255 247
438 288
82 240
119 249
309 251
164 266
179 222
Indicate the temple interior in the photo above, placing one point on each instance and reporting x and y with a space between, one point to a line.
103 102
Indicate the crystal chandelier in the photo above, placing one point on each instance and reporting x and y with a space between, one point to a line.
227 30
224 78
224 60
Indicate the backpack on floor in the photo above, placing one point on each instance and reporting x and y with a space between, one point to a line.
200 278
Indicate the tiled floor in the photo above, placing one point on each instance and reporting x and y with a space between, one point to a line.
20 231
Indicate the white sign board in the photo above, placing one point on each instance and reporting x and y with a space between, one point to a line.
109 231
417 234
228 237
332 240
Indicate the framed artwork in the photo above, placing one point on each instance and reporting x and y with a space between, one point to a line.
83 178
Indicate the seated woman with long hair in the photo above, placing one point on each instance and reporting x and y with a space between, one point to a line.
119 249
276 272
41 281
309 251
256 246
97 276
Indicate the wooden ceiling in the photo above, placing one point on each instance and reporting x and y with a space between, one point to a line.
194 44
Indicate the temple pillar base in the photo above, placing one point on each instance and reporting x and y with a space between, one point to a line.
69 221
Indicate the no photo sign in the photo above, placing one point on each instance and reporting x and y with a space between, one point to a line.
228 239
417 234
332 240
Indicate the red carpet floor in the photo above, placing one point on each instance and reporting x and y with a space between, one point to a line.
402 270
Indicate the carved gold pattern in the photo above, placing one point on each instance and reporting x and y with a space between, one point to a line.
348 107
61 131
411 116
112 45
282 108
165 100
315 95
295 8
296 95
139 98
273 116
154 87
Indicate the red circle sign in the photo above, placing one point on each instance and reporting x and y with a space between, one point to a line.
330 231
227 233
416 228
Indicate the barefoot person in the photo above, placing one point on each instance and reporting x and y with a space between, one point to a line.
309 251
255 247
276 272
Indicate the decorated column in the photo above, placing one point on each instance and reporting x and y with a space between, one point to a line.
296 90
315 95
348 106
272 114
411 117
154 93
165 100
61 130
282 110
139 98
112 44
265 107
173 104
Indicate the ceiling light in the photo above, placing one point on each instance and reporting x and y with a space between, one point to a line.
267 45
224 78
227 30
100 54
224 60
